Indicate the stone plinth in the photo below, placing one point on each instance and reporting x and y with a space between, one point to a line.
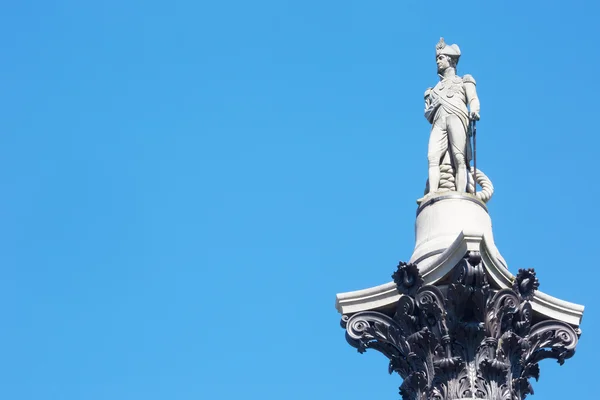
441 218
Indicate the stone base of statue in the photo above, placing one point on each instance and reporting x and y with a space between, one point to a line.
454 322
441 218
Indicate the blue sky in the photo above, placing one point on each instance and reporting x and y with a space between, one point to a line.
186 185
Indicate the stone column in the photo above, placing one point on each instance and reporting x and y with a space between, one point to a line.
455 323
460 326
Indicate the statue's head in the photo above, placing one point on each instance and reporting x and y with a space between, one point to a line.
446 56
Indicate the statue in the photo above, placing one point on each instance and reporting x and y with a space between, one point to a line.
447 112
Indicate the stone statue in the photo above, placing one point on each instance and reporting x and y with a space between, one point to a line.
455 324
447 112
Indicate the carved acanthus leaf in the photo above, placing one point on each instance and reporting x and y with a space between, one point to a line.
462 340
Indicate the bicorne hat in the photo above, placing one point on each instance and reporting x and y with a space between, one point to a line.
451 50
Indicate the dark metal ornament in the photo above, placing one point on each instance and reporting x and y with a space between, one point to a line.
462 339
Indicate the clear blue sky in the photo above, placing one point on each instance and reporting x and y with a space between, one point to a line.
185 185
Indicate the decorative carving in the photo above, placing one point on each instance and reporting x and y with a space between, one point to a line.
462 340
526 283
407 278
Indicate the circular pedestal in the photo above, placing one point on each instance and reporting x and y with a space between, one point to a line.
442 217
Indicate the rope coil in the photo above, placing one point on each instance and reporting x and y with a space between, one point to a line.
447 182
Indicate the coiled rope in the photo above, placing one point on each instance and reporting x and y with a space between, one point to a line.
447 182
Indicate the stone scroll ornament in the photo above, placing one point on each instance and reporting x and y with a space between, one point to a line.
462 340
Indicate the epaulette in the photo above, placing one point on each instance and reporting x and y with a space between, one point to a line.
469 78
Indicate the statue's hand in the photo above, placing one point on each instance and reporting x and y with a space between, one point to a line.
474 116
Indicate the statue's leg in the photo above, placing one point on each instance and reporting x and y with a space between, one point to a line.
458 144
438 144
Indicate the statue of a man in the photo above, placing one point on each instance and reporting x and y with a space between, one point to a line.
447 112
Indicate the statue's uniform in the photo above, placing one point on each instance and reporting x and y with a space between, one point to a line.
446 110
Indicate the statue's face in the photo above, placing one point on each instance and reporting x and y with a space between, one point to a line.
443 62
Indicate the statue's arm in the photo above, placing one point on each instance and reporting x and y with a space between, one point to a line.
472 99
428 108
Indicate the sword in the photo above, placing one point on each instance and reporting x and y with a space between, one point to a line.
474 133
